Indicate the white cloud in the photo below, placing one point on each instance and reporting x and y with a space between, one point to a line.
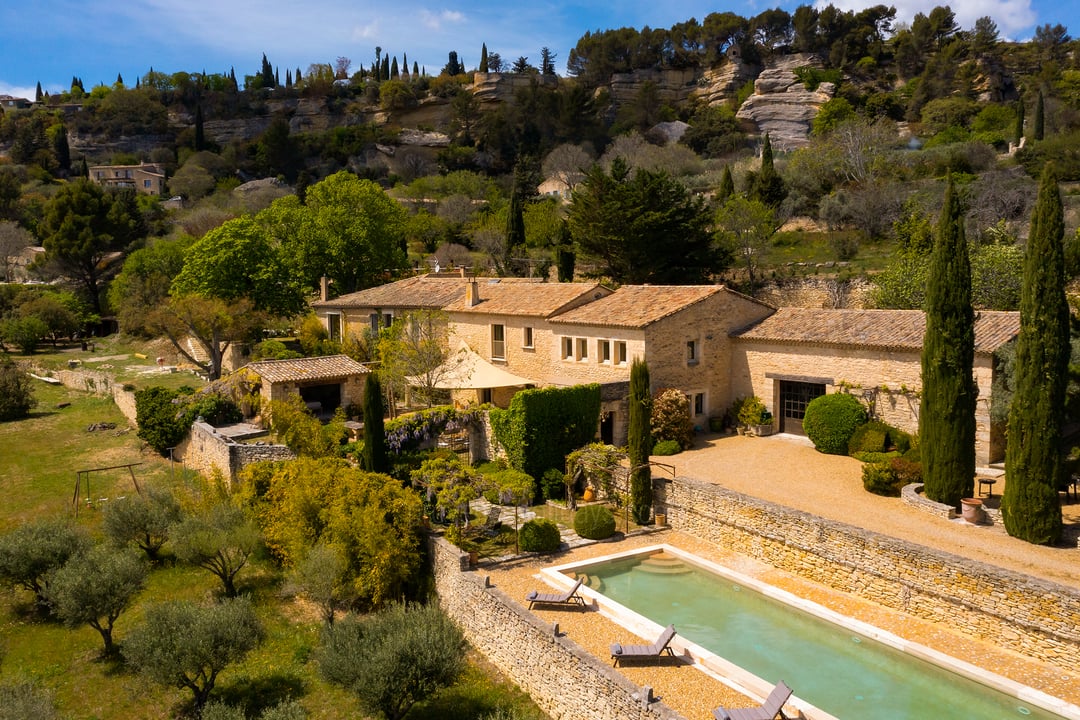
435 21
18 91
1013 17
366 32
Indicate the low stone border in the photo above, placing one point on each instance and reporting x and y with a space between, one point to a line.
911 494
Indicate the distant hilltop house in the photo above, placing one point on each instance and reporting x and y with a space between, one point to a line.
10 102
556 188
712 344
146 178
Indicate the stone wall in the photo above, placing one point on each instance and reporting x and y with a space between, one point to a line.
207 451
1034 617
96 383
565 680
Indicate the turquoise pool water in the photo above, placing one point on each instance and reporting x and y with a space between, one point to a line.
848 676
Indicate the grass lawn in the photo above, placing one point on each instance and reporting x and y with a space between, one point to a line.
39 458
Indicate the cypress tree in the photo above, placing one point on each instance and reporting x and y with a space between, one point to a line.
769 186
727 185
200 136
1040 120
1030 506
515 220
375 459
483 58
639 442
395 73
61 149
415 70
947 411
385 72
1018 132
288 78
565 256
38 94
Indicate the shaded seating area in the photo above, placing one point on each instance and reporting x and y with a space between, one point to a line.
621 652
768 710
570 597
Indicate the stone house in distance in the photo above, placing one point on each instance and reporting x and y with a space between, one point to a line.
323 383
711 343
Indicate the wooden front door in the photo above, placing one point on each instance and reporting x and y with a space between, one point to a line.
794 397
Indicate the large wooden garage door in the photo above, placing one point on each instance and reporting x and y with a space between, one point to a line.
794 397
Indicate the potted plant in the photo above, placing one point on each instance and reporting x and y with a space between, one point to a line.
754 416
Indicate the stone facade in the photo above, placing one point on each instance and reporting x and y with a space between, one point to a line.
1036 618
888 381
567 682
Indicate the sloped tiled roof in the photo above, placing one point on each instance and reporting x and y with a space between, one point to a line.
329 367
636 306
529 300
428 291
884 329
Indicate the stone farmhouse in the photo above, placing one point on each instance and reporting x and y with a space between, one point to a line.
713 344
145 178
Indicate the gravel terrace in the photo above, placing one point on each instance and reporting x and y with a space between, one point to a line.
788 471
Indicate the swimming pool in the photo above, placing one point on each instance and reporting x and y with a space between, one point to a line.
841 666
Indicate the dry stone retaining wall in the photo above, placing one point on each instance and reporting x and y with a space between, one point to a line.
566 681
1035 617
205 450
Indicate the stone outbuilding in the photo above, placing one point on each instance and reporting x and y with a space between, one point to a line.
323 383
797 354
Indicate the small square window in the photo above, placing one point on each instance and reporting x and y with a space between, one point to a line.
620 352
603 351
527 337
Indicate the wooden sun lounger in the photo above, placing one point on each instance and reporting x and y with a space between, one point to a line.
570 597
644 652
773 706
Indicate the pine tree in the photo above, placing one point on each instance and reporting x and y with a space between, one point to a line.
947 411
1040 119
375 459
1018 132
1030 506
639 442
547 61
483 58
727 185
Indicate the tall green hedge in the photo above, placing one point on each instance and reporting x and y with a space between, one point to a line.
542 426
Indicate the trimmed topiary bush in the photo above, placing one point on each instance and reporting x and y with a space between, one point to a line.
539 535
667 447
888 477
831 420
876 437
594 522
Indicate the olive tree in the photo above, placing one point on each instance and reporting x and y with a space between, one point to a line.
393 659
219 539
142 519
184 645
31 552
95 587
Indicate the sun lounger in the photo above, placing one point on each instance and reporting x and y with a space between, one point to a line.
772 707
644 652
570 597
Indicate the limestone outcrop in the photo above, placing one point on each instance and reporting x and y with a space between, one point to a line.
781 105
672 86
500 87
719 84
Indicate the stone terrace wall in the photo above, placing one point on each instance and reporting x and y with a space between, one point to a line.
1031 616
567 682
94 382
205 450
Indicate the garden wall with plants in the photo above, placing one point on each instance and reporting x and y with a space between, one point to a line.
565 680
1034 617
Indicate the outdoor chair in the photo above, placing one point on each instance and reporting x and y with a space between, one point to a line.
570 597
768 710
644 652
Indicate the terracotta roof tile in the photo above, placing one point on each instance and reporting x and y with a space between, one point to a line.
636 306
427 291
328 367
886 329
534 300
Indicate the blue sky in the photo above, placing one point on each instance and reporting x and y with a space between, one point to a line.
52 40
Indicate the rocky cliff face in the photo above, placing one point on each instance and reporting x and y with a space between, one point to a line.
781 105
719 84
672 86
500 87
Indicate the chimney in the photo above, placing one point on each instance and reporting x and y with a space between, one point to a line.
472 294
324 288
